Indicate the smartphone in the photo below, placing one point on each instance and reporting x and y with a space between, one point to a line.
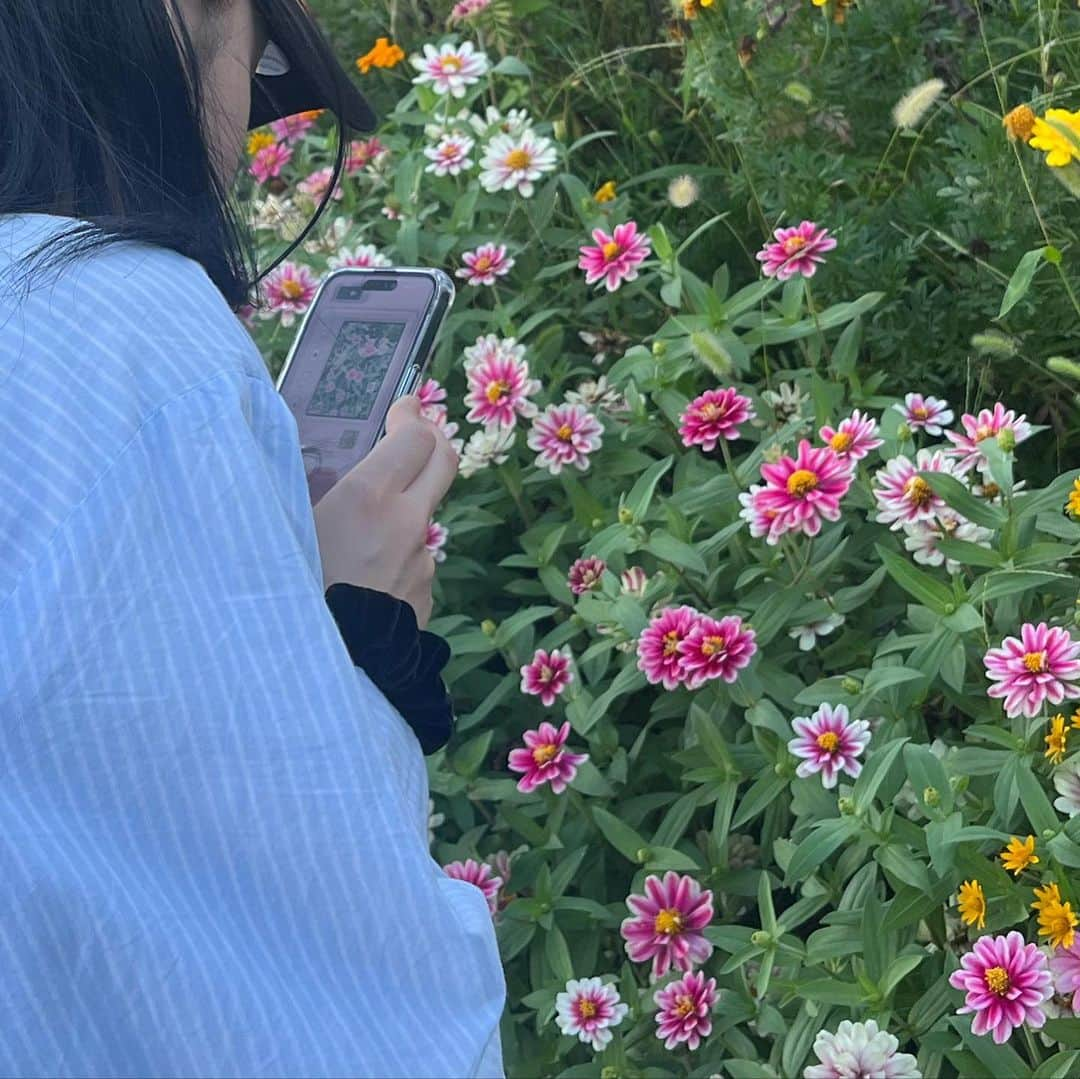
364 341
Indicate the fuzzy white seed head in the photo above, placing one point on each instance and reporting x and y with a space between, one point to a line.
914 105
682 192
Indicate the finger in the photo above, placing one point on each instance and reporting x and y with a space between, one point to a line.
430 485
402 456
401 411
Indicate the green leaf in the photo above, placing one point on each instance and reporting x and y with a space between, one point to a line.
881 678
874 773
1021 279
669 549
813 851
922 586
925 770
774 612
557 953
760 795
993 586
518 621
963 501
1033 798
511 65
846 352
641 494
1065 1031
621 836
1061 1065
765 904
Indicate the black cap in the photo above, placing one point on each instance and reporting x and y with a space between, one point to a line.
315 79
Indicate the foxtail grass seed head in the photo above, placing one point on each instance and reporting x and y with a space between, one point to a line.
682 192
909 111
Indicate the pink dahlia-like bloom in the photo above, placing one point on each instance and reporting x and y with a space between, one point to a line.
363 152
1006 982
484 264
478 873
269 161
853 438
860 1049
615 258
450 69
796 250
431 393
436 540
545 759
363 255
659 652
547 675
989 423
716 649
499 390
565 435
799 493
714 415
289 290
449 155
293 128
903 496
829 743
466 9
1038 667
585 575
684 1010
588 1008
925 413
317 184
1065 969
666 923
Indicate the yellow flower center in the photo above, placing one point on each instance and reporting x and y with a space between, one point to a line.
451 63
610 249
997 980
293 290
711 645
518 159
684 1006
483 263
801 482
668 922
710 411
545 754
564 433
671 642
1035 662
496 390
586 1009
546 673
1020 122
917 491
921 413
841 441
983 431
828 741
793 244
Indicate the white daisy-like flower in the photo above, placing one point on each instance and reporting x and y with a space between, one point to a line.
786 401
281 215
596 393
489 445
450 69
808 634
331 240
588 1008
455 125
922 537
450 155
514 122
858 1049
1067 784
434 820
516 161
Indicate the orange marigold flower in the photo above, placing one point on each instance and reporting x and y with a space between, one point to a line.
382 54
1019 123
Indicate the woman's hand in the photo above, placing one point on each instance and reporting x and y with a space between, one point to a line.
372 524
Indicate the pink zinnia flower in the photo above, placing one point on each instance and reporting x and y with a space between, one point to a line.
289 290
796 251
858 1049
362 152
714 415
853 438
585 575
484 264
499 390
588 1008
799 493
547 675
1038 667
564 435
632 581
363 255
450 68
545 760
293 128
1065 968
989 423
716 649
616 257
1006 982
659 654
666 923
903 496
925 413
684 1012
449 155
430 394
316 185
829 743
465 9
269 161
436 540
478 873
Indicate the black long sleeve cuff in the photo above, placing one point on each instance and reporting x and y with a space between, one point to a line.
404 661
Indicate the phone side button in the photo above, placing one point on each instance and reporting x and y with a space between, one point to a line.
412 380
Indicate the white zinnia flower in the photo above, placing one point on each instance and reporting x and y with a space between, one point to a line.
915 104
858 1049
364 255
808 634
450 68
515 122
1067 784
588 1008
922 537
489 445
516 161
450 155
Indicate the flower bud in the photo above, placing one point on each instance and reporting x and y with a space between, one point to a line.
931 797
488 627
1048 834
609 1071
597 523
659 349
851 685
903 432
761 938
643 855
626 515
558 129
577 620
1006 439
846 807
772 454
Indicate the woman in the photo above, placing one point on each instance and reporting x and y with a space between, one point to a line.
213 841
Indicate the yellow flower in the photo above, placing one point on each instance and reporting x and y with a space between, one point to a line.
1046 895
605 192
972 904
258 140
1056 919
1073 510
1018 855
1076 719
691 8
820 3
1060 148
381 54
1056 739
1019 123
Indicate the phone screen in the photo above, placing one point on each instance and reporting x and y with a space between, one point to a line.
355 370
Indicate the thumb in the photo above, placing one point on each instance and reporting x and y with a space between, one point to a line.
401 412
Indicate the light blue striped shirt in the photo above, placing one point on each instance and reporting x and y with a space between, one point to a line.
213 827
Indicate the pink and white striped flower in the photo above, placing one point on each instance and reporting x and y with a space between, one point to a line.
450 155
485 264
466 9
1006 982
480 875
292 129
925 413
269 161
363 152
922 537
289 291
903 496
499 389
565 435
316 185
585 575
659 653
546 675
716 649
796 250
516 161
545 759
363 255
714 415
632 581
852 438
829 743
989 423
615 258
666 923
1042 665
436 540
1065 971
430 395
685 1008
588 1009
450 69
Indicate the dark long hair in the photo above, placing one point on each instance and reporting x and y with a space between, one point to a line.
98 121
